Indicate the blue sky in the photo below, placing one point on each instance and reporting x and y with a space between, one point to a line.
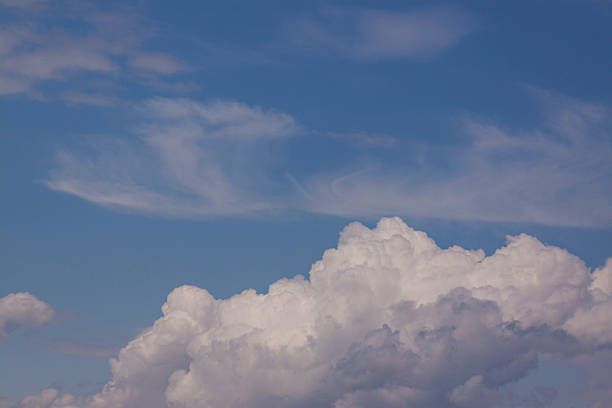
147 146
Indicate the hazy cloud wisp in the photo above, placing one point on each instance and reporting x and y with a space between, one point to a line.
557 173
186 159
223 158
371 35
35 53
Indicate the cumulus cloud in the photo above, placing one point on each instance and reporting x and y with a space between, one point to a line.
22 310
386 319
378 34
48 398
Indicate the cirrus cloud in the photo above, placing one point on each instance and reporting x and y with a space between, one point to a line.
186 158
39 50
223 158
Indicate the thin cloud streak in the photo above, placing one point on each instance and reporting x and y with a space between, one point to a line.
375 140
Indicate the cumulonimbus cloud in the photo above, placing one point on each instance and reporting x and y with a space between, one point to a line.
386 319
23 310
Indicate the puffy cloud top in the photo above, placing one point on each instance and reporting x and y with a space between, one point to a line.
386 319
22 310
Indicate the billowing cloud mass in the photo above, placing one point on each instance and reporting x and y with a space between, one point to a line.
22 310
386 319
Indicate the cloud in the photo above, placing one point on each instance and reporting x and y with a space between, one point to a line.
372 35
556 173
23 4
365 139
157 63
22 310
43 51
187 158
48 398
223 158
386 319
80 98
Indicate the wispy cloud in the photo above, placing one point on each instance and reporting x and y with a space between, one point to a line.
557 173
158 63
185 159
24 4
365 139
379 34
81 98
192 159
37 50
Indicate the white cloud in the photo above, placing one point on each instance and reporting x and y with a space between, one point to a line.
35 52
22 310
23 4
557 173
187 159
29 57
378 34
48 398
192 159
156 62
386 319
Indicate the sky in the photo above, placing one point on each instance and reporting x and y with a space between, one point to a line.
305 204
